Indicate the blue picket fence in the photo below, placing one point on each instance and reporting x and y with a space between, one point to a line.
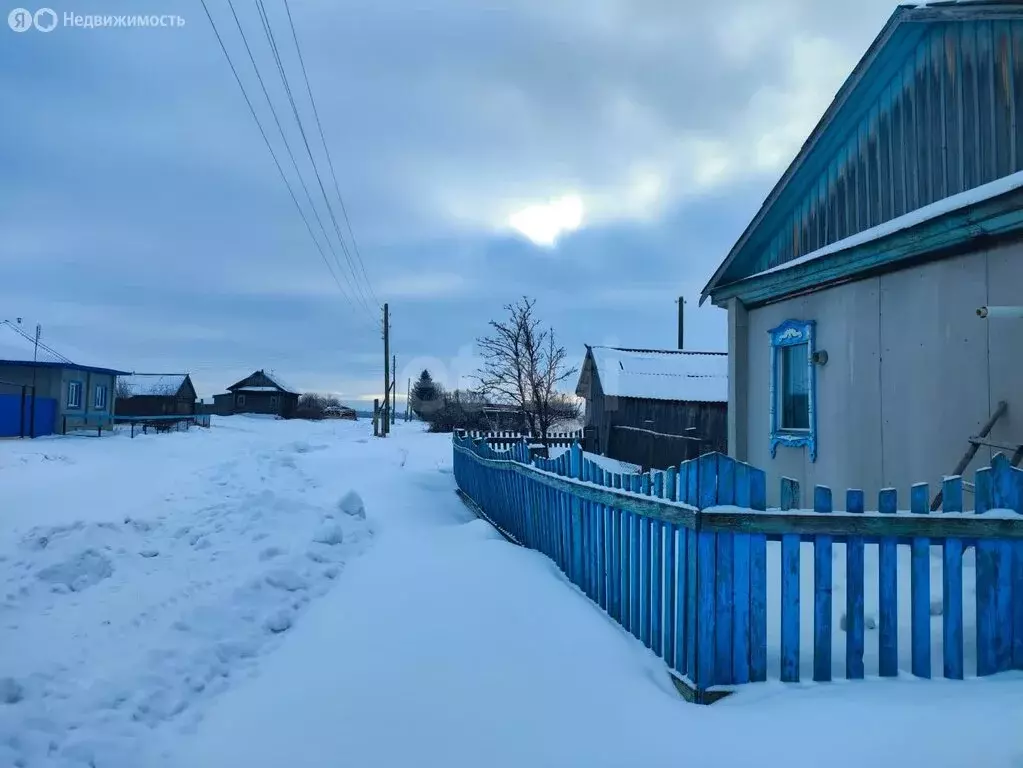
680 559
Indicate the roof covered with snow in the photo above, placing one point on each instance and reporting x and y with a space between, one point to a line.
151 384
796 217
653 374
919 216
256 377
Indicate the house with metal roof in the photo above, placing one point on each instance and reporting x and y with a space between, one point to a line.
653 407
856 355
42 392
156 394
260 393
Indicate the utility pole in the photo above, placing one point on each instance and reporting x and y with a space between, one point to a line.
394 387
408 400
385 421
681 322
35 360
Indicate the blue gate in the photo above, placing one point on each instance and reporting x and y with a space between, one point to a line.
16 420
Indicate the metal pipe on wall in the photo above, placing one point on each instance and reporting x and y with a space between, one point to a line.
1001 313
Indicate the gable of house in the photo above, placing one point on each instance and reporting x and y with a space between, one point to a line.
930 112
261 381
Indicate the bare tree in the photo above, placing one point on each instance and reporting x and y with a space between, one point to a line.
523 366
122 389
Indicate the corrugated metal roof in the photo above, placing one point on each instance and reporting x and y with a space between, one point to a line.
926 113
150 384
653 374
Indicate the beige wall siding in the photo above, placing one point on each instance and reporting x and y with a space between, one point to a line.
912 372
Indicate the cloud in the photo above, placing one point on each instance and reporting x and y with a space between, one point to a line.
601 155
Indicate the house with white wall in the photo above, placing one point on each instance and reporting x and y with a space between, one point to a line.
857 358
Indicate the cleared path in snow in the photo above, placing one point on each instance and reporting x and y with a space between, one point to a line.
446 646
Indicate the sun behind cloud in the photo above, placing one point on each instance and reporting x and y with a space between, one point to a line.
544 223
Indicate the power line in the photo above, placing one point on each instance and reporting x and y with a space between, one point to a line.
273 154
268 31
287 145
41 345
326 151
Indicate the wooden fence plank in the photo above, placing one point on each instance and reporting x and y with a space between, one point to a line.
822 591
741 583
758 582
952 585
854 589
789 589
725 578
1003 495
616 555
644 566
657 574
576 524
705 638
671 572
920 587
635 582
888 591
691 600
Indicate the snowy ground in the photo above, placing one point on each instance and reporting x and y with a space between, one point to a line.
166 603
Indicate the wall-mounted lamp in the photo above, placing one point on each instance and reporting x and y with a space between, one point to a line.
820 357
1001 312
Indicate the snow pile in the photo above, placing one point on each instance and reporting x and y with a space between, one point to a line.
130 609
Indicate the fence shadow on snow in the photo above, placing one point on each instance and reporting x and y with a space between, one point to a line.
690 562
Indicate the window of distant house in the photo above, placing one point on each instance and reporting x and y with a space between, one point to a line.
273 401
74 394
240 400
99 398
793 387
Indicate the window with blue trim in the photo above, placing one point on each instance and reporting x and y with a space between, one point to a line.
793 387
74 394
99 398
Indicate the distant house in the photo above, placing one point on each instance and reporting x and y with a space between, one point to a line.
68 396
857 357
654 407
501 417
155 394
262 393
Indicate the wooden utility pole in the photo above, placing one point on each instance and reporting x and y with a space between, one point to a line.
376 417
394 388
385 422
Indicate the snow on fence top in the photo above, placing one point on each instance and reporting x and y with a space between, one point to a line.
150 384
650 374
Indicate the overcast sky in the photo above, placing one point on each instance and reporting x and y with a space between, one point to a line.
601 156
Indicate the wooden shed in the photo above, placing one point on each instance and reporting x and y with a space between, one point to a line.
155 394
654 407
